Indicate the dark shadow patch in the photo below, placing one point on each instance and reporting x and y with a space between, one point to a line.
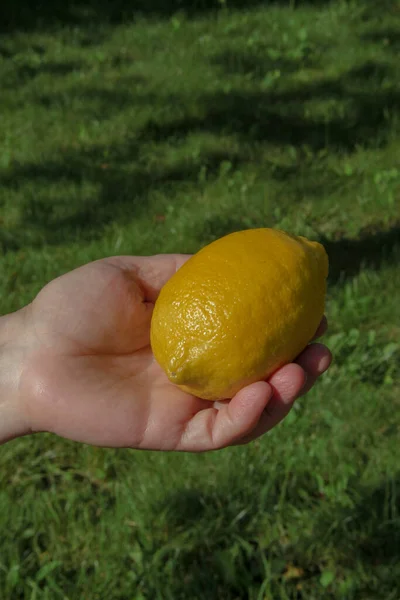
23 15
371 248
98 102
9 242
212 548
259 64
356 113
368 534
5 53
185 508
124 177
378 513
388 37
123 182
25 73
230 553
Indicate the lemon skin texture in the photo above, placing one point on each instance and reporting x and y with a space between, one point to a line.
238 310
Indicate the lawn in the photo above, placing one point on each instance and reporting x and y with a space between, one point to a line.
159 129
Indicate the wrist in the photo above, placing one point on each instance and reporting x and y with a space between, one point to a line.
13 352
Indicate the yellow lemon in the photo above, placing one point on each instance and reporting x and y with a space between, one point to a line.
239 309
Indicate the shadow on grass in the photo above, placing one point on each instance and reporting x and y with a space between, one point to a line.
121 179
229 551
377 517
118 187
216 548
353 110
388 37
96 102
383 542
259 66
23 74
369 534
372 247
23 15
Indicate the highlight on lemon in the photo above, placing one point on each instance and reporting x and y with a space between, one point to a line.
238 310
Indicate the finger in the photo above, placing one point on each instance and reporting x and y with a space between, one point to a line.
315 360
214 428
323 326
152 272
286 384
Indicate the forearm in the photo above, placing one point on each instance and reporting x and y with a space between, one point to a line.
12 353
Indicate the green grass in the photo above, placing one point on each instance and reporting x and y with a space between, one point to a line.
158 132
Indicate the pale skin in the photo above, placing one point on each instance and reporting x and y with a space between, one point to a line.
77 362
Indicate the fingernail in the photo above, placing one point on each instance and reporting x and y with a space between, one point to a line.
324 363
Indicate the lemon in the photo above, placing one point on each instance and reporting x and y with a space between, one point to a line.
239 309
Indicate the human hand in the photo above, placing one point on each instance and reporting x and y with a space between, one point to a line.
87 372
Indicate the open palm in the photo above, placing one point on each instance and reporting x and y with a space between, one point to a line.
91 375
